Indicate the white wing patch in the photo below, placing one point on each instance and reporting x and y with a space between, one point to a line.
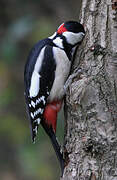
35 83
35 79
39 60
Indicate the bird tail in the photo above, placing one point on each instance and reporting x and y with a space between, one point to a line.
56 146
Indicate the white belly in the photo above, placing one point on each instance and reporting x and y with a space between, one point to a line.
62 71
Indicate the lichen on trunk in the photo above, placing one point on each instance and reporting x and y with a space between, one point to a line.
91 101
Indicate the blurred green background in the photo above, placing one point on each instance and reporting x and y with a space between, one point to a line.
22 24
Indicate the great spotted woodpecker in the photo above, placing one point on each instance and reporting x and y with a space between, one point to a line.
46 71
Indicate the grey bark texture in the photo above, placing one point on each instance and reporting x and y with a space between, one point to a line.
91 100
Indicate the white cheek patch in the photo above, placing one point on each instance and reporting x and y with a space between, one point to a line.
73 38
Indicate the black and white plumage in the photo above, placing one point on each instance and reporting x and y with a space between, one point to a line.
46 71
39 77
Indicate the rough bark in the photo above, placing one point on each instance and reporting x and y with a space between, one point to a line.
91 101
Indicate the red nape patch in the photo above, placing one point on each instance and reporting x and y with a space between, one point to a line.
61 29
50 113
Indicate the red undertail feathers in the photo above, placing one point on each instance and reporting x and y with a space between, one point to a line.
50 113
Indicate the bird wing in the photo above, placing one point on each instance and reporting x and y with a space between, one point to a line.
38 87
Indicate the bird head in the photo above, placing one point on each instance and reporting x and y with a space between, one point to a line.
72 31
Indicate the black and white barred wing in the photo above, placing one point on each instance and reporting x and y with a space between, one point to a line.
41 82
35 109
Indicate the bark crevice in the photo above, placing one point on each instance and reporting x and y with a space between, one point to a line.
91 101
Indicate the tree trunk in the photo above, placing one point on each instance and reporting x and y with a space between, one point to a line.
91 101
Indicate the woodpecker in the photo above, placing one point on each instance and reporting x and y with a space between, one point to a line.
46 71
